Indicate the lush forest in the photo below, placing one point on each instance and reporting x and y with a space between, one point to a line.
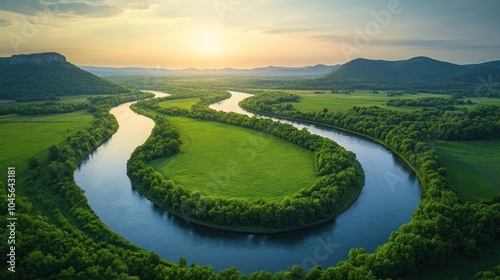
339 185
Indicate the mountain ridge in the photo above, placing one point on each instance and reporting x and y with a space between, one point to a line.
417 73
42 76
494 63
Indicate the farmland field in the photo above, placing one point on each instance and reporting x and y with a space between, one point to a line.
473 167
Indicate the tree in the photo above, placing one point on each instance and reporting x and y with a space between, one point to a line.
54 152
33 163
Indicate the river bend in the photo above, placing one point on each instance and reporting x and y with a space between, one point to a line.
391 193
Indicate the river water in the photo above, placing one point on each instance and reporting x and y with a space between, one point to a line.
391 193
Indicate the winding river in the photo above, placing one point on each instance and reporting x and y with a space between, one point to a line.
390 195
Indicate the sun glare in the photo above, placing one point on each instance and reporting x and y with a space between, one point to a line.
209 41
208 45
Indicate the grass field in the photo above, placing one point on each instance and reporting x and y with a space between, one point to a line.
473 167
25 136
184 103
233 162
311 102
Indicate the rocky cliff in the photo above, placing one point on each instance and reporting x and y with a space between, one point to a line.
38 58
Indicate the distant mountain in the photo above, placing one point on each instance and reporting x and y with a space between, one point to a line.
270 71
44 75
126 71
308 71
418 73
495 64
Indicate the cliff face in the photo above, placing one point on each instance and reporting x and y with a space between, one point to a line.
38 58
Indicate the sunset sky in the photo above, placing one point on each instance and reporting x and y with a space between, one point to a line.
250 33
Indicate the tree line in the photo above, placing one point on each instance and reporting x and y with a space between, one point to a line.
442 103
114 100
46 108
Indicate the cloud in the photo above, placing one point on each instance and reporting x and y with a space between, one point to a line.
6 22
63 8
27 7
138 6
332 38
437 43
81 8
283 30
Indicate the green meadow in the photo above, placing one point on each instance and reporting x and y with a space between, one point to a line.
184 103
25 136
473 167
314 102
233 162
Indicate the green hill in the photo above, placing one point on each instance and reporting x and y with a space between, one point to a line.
495 64
419 73
46 75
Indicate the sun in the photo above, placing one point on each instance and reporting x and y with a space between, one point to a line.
208 41
208 45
